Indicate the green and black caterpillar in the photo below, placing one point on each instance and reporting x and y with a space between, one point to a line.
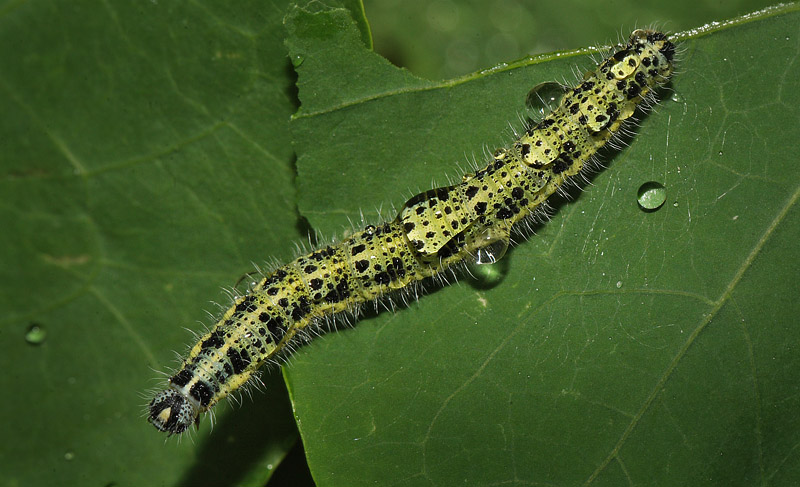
435 231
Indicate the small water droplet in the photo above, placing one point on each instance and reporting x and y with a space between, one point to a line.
297 60
651 196
489 275
492 252
69 456
36 334
675 204
490 245
545 97
676 97
719 153
619 284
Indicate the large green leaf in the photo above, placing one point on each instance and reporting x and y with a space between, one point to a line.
146 162
622 347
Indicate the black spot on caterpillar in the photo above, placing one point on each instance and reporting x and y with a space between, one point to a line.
435 231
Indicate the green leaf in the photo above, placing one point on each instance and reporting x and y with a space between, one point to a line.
622 347
146 162
341 71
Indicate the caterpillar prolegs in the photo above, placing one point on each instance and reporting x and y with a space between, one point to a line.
434 231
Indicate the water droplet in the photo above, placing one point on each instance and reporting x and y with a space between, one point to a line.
545 97
488 276
675 204
676 97
719 153
35 334
492 252
651 196
297 60
619 284
69 456
490 245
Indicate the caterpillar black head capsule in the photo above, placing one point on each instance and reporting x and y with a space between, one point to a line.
172 412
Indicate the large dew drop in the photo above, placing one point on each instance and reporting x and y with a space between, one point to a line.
544 98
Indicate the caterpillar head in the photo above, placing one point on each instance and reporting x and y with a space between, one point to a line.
657 43
172 412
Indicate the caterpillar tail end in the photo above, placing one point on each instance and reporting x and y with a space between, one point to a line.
172 412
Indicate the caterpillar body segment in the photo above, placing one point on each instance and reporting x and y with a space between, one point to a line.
433 232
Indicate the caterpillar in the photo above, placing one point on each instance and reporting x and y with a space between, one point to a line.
434 231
